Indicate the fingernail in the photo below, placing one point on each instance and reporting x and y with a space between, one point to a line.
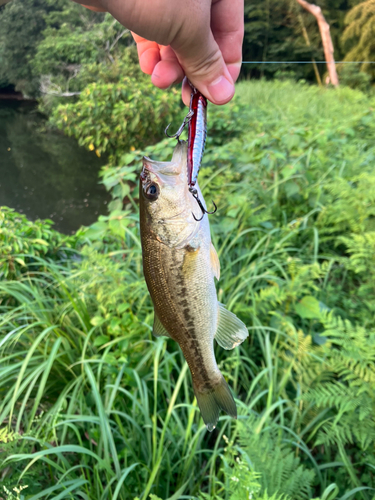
221 90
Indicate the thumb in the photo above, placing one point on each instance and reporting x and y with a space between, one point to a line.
204 65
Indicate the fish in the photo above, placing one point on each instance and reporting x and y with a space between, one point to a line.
180 264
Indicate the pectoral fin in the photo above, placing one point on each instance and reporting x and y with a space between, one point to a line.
231 332
158 329
215 263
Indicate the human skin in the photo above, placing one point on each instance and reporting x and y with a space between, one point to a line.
199 39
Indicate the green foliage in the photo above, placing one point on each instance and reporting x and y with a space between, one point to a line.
67 44
23 243
63 41
284 31
17 52
99 409
274 32
352 76
359 35
114 118
74 39
279 467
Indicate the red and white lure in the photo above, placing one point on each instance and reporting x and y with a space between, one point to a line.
197 133
196 119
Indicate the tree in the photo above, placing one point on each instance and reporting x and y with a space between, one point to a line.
73 40
274 31
278 30
21 26
359 35
58 38
324 29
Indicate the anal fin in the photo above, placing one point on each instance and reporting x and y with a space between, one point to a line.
158 329
231 331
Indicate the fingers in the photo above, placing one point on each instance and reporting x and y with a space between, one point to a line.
228 30
148 54
159 61
207 70
186 92
168 70
200 54
205 35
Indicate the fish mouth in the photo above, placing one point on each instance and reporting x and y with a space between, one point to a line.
167 168
160 168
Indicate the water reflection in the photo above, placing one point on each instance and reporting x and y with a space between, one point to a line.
47 175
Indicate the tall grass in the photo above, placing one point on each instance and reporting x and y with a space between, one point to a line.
96 408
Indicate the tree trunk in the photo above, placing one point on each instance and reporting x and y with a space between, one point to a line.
316 11
308 43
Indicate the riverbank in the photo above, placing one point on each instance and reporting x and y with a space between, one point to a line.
44 174
16 96
10 93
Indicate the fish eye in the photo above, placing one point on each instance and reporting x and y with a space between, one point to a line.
152 191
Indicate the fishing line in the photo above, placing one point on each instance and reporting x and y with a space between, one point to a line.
308 62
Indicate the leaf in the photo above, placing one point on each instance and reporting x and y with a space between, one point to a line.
40 242
308 308
97 321
96 231
291 188
102 339
288 170
115 205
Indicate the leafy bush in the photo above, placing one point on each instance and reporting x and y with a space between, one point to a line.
352 76
113 118
357 36
23 243
74 38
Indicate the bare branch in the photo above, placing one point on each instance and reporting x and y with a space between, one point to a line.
118 37
316 11
74 73
49 88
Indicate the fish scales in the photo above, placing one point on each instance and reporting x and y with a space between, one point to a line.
179 266
172 292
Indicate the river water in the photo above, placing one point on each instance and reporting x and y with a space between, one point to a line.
45 174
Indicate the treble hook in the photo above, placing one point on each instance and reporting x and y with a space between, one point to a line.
181 129
194 192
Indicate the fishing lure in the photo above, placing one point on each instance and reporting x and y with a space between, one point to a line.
196 119
197 134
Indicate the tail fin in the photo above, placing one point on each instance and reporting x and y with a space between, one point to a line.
211 402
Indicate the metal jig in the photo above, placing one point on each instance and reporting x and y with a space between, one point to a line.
194 192
187 119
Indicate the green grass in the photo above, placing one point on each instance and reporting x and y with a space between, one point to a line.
93 407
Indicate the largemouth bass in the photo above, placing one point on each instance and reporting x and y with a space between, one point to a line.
180 263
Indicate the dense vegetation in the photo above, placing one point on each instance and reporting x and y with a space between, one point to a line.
65 47
93 407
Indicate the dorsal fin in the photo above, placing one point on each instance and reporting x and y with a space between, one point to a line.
215 263
230 332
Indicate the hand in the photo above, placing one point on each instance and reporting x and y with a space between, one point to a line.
201 39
